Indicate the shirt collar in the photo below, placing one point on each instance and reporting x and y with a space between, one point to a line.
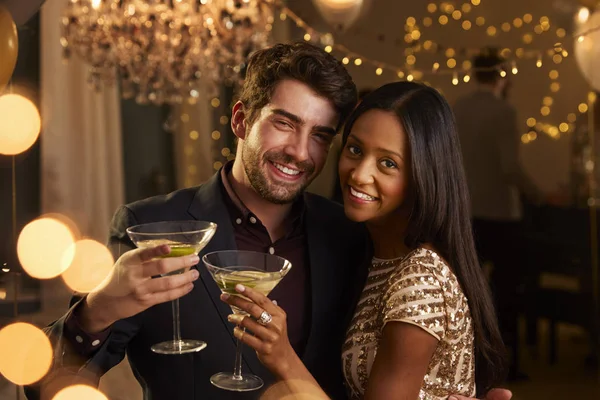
238 209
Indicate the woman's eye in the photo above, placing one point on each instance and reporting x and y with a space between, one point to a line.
388 164
353 150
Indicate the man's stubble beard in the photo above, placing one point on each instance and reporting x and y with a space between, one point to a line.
259 181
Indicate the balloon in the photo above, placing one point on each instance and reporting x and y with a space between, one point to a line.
587 50
9 46
21 10
340 13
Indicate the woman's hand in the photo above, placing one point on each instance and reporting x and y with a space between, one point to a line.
266 330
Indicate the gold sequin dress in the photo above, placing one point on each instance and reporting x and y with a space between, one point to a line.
419 289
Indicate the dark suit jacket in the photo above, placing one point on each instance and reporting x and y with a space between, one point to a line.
337 272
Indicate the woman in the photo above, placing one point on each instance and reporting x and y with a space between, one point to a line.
425 325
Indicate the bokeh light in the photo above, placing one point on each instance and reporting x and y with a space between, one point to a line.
80 392
19 124
26 353
92 263
45 248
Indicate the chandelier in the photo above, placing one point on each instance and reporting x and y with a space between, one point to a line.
165 51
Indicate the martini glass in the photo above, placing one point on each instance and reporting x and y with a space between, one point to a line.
184 238
259 271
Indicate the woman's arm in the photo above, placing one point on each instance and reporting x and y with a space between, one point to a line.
271 343
401 363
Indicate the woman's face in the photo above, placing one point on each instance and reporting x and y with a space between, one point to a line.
375 167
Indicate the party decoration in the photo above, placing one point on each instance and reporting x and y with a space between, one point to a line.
341 14
9 46
587 50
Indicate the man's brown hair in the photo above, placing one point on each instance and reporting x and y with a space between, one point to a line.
299 61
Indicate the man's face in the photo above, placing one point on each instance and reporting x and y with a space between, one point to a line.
287 144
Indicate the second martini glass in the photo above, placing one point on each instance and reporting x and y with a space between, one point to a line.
259 271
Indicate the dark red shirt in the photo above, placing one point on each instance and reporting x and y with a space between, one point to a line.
293 292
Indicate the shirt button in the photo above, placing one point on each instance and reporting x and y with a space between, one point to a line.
95 342
271 250
79 339
253 220
238 221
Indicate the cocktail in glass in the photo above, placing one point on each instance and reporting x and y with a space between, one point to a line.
184 238
259 271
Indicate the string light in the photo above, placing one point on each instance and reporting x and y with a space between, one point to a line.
455 79
518 22
514 69
414 35
563 127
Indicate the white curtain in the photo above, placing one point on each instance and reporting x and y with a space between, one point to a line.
81 161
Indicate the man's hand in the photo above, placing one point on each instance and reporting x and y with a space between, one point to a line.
130 288
494 394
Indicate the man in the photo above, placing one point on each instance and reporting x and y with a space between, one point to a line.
487 126
295 98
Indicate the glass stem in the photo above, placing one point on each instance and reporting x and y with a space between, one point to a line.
237 369
176 327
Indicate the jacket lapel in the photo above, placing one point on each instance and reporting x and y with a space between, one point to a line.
209 205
